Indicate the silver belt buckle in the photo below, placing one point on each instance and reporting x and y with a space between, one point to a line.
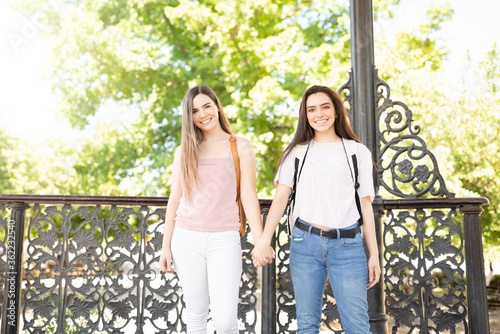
321 232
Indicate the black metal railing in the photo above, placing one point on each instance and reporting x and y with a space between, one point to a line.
434 265
428 236
89 264
427 255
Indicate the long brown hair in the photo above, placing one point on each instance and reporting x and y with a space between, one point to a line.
305 133
192 136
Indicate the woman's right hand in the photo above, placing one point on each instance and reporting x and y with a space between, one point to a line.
166 260
262 254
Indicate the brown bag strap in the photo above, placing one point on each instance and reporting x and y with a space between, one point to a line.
236 160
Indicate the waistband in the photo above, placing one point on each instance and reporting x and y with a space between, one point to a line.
329 234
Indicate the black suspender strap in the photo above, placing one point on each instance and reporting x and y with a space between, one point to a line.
353 160
356 186
294 188
296 177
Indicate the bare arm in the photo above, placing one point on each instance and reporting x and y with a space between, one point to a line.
371 241
263 248
173 204
248 192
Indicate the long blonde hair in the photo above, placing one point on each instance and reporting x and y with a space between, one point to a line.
192 136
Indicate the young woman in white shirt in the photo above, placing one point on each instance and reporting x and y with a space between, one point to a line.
326 236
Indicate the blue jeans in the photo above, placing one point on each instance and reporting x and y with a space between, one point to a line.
311 256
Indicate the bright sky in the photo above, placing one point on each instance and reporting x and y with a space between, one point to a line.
474 27
28 109
27 105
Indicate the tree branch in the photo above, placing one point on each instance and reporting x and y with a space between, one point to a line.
179 46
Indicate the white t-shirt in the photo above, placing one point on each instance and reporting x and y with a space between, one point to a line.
325 190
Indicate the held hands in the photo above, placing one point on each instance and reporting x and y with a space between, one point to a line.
262 254
373 271
166 260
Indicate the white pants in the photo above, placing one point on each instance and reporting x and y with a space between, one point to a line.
209 268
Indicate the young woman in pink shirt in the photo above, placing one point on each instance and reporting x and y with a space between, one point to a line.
201 240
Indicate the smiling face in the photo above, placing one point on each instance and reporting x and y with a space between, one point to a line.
205 113
320 113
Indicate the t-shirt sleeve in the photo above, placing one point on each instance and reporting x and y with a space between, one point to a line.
286 171
365 173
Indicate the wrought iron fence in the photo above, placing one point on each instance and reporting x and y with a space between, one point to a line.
433 257
426 244
434 265
427 254
90 265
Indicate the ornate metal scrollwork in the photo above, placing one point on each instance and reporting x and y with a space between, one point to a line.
95 270
247 307
346 91
286 315
286 318
424 276
406 167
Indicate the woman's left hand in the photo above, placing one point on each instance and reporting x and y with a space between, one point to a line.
262 254
373 271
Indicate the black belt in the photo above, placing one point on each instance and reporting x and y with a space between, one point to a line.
330 234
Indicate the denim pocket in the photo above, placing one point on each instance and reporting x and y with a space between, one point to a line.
298 235
357 241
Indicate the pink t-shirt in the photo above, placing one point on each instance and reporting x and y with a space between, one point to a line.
213 205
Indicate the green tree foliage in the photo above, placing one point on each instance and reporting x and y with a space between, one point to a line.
472 122
36 168
5 171
259 56
491 70
411 64
460 123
